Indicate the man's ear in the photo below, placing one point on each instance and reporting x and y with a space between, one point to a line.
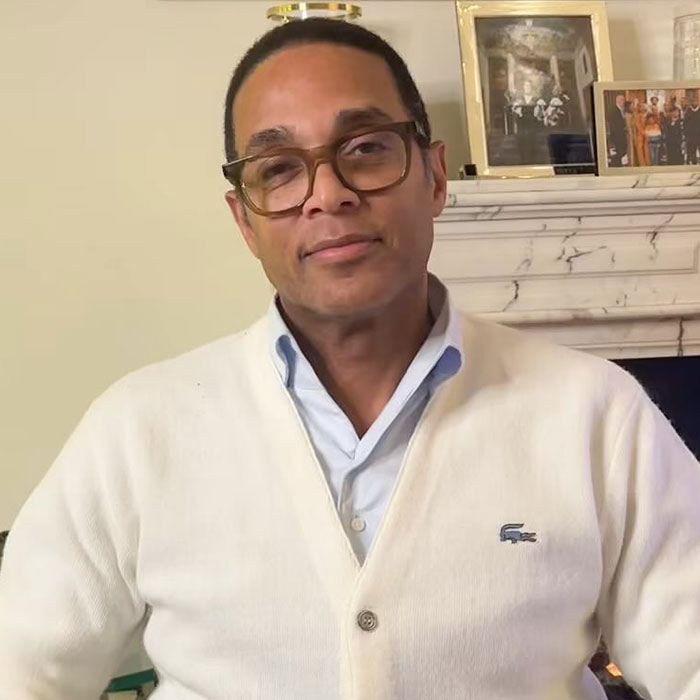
438 168
241 216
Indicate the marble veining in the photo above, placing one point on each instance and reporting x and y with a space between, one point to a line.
653 234
515 297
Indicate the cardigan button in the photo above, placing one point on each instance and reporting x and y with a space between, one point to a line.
358 524
367 621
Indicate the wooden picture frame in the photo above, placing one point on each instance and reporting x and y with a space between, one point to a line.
528 67
649 126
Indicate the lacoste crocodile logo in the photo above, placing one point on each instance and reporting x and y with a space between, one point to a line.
511 533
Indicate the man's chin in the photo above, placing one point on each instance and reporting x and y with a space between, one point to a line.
360 295
350 300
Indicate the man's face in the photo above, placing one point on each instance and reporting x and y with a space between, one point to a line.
620 101
310 95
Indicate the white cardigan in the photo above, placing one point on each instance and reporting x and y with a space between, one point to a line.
189 502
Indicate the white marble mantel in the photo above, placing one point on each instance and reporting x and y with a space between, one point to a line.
604 264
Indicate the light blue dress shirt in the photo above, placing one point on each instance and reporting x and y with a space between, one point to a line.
361 472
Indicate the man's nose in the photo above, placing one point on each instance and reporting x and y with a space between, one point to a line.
329 194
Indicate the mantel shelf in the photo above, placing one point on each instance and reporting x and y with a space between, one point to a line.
605 264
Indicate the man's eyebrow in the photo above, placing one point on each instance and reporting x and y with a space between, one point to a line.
268 138
345 120
348 119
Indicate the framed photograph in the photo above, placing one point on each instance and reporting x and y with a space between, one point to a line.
528 69
648 126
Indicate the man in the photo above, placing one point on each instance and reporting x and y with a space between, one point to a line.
529 112
366 495
653 106
691 127
674 137
617 130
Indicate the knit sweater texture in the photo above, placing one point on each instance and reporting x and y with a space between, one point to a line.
188 507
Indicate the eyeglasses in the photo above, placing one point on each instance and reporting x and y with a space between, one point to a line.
280 181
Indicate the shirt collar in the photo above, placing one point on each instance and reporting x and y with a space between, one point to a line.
446 334
446 331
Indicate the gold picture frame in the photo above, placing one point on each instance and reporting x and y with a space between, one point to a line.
653 129
514 28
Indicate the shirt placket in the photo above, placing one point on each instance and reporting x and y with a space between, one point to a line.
353 520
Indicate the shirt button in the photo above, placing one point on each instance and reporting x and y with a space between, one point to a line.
367 621
358 524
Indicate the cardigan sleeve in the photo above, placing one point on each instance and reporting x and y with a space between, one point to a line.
650 603
69 607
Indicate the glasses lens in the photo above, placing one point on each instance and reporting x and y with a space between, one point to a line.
366 162
277 182
372 161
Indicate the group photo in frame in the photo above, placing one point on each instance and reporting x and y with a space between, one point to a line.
648 126
528 69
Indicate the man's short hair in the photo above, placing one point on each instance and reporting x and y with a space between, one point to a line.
329 31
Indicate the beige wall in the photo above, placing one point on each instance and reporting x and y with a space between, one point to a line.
116 248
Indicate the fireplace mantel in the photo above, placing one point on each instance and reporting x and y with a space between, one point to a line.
604 264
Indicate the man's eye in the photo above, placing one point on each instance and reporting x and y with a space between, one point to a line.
369 146
279 170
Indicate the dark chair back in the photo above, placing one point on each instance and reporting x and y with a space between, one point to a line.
3 538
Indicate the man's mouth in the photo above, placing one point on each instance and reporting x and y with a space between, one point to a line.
342 249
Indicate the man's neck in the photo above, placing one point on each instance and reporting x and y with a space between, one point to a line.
361 361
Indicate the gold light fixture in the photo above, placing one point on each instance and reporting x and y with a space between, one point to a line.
303 10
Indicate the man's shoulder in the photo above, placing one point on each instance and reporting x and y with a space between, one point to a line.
527 357
207 369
